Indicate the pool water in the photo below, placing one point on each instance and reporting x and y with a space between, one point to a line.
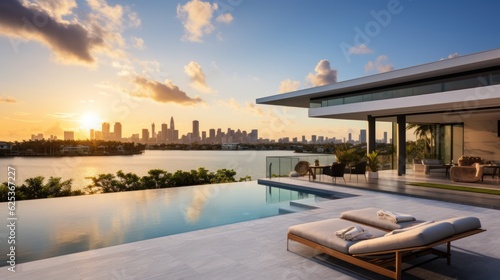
58 226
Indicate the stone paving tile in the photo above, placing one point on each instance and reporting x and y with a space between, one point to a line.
257 249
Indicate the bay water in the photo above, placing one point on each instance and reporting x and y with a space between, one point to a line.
245 163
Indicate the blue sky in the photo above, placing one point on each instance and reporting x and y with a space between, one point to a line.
69 65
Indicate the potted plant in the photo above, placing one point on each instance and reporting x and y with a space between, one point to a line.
372 163
316 162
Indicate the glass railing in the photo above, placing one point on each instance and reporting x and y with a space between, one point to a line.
277 166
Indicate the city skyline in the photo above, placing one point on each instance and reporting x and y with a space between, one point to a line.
131 62
168 135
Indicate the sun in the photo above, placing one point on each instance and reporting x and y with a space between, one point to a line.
90 120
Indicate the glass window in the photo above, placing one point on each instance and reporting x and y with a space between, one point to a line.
425 89
382 95
353 99
402 92
335 101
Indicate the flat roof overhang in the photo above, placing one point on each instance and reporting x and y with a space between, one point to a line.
301 98
443 107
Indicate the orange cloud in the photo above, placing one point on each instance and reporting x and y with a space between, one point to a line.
166 92
7 99
198 82
381 65
196 16
288 86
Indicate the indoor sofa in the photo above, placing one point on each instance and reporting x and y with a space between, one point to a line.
390 244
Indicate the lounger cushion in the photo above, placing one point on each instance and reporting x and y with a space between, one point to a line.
323 232
463 224
420 236
369 216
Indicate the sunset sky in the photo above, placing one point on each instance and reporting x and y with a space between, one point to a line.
70 65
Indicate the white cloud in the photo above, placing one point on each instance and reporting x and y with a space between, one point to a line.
7 99
288 85
324 74
380 65
360 49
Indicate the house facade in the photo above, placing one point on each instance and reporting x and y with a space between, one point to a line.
461 96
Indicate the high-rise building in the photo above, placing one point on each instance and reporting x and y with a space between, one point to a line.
254 136
172 130
105 131
313 139
211 134
153 133
164 133
385 137
203 136
362 136
145 135
349 137
69 135
196 130
117 131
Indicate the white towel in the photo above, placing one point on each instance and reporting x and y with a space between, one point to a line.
394 217
353 233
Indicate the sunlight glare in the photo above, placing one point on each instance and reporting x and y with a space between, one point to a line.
90 120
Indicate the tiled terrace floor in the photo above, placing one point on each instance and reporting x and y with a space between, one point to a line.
257 249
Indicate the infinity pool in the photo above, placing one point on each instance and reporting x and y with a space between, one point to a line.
58 226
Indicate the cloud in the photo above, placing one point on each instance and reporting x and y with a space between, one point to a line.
198 82
225 18
61 115
166 92
288 85
68 40
137 42
381 65
73 37
324 74
453 55
196 17
360 49
7 99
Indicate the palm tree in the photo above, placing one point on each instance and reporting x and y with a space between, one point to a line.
425 132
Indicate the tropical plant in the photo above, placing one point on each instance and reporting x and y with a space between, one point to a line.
345 154
425 132
372 161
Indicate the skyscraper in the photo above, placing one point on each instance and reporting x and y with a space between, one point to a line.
145 135
362 136
153 134
117 131
196 130
164 133
172 130
105 131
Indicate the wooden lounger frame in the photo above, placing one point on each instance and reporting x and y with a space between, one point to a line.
392 266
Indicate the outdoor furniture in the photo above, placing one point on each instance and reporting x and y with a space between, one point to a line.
490 170
387 250
337 169
302 167
426 165
313 170
468 174
358 169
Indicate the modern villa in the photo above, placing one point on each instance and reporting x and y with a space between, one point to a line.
460 96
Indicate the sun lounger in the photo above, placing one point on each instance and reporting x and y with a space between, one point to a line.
387 250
